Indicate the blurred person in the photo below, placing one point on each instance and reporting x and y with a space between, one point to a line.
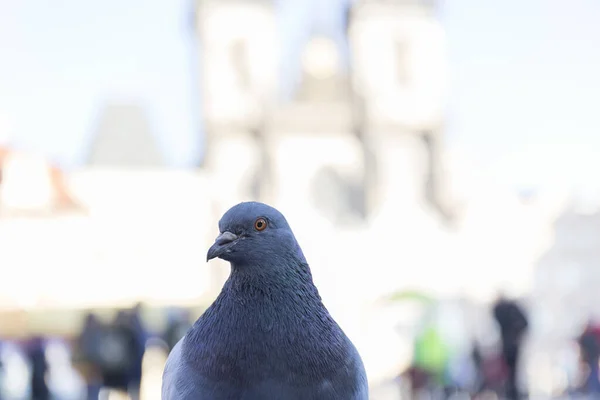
589 343
140 336
39 366
513 324
463 372
431 357
477 357
488 369
491 370
178 323
118 353
87 355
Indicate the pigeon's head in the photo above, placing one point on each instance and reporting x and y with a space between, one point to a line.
252 233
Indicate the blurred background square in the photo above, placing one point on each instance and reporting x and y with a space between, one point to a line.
435 159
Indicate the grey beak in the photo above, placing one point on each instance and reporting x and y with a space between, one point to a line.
221 244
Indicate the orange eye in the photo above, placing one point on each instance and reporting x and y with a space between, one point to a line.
260 224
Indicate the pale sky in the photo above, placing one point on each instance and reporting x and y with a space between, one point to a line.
526 85
67 57
525 80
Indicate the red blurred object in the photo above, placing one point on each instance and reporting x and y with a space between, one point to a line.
594 329
419 378
495 371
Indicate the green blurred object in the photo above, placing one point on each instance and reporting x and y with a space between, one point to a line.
431 354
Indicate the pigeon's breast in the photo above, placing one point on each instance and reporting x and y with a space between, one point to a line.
249 341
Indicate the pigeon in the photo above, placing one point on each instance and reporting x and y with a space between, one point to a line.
267 335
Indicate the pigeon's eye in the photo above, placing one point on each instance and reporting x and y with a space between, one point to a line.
260 224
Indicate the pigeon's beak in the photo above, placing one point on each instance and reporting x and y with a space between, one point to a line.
222 244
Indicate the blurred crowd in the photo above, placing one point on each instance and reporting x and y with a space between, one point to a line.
494 372
106 357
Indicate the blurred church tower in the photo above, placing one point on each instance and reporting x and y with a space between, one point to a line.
352 141
314 141
400 88
238 80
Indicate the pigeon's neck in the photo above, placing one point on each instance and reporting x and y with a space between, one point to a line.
286 290
272 280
